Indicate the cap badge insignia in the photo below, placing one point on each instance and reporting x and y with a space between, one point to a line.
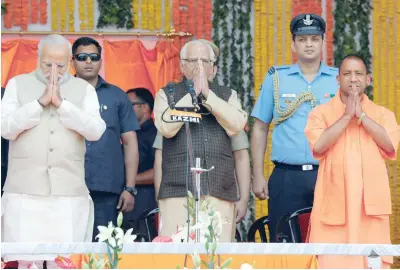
307 21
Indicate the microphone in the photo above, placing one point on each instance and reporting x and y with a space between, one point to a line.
171 98
192 93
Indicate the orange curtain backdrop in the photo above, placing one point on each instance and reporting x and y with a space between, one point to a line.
17 57
138 66
127 64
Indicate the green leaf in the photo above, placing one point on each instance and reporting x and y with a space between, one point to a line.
226 263
214 247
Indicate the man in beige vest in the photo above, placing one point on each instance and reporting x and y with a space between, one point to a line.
47 115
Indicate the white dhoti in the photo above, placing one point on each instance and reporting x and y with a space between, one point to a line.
31 218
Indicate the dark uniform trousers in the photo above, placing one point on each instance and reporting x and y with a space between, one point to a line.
289 190
105 210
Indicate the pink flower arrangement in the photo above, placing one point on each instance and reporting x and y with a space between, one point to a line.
64 263
162 239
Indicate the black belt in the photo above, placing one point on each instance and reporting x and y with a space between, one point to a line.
308 167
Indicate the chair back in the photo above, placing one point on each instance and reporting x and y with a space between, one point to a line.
150 218
299 223
259 226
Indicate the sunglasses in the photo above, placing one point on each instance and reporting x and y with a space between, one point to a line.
82 57
138 103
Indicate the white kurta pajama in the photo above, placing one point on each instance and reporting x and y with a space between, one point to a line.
34 217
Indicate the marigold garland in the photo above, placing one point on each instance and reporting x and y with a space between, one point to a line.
288 37
329 33
376 37
90 14
34 11
135 13
176 19
82 14
54 15
383 45
43 11
207 19
167 15
62 10
24 14
150 15
279 33
260 37
199 24
176 15
397 78
144 13
386 91
8 20
71 16
391 57
158 14
191 17
16 12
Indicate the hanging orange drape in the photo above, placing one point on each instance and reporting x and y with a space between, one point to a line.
127 64
17 57
138 66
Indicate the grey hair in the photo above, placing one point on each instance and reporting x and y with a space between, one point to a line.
183 53
54 39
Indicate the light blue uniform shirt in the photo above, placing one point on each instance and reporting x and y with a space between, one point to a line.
289 143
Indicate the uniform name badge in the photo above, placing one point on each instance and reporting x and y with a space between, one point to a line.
288 95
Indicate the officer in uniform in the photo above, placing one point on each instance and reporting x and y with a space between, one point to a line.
288 94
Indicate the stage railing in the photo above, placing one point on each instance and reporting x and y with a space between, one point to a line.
371 251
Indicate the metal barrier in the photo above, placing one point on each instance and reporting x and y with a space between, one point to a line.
369 250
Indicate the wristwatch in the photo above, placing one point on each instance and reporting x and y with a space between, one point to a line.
363 114
131 190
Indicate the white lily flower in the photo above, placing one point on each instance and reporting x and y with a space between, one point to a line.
196 260
120 219
119 233
246 266
129 238
100 264
105 233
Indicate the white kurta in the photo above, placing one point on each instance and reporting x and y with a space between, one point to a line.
32 218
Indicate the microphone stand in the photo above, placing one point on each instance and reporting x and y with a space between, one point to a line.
197 171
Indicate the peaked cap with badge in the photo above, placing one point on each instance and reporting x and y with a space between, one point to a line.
307 24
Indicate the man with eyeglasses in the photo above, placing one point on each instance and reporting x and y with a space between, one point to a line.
222 118
46 115
143 102
110 173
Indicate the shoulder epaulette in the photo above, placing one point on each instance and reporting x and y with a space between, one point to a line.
283 67
271 70
276 68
